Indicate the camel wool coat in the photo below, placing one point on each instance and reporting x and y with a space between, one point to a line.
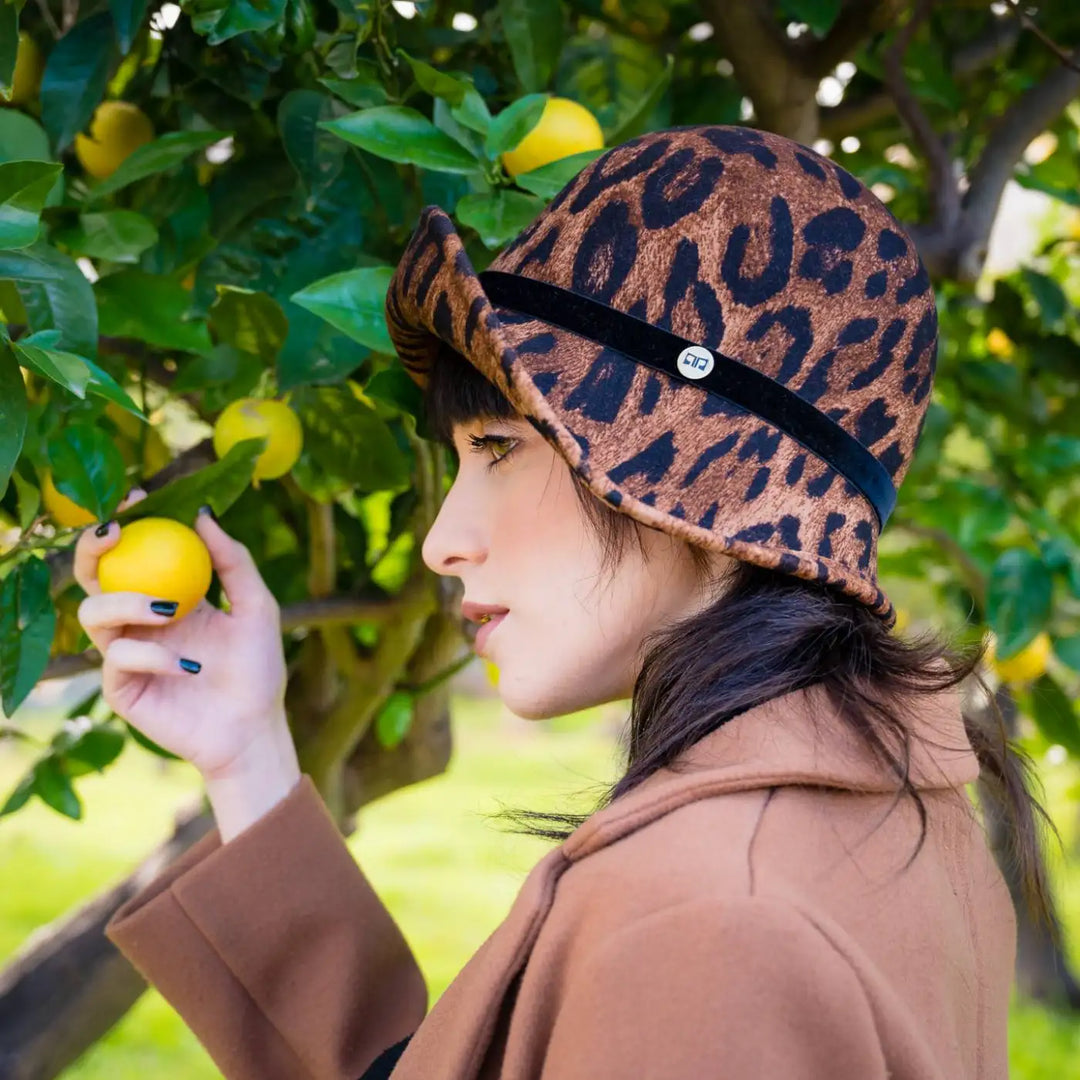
744 916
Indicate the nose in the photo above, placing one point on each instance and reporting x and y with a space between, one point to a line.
457 537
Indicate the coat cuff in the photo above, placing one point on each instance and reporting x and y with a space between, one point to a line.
275 950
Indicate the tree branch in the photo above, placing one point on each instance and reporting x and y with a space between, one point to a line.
856 22
1033 112
944 193
1029 23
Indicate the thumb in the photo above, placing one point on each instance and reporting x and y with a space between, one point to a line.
236 569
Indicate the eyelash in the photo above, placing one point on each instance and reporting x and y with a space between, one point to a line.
480 443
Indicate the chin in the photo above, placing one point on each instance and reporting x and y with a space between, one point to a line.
539 703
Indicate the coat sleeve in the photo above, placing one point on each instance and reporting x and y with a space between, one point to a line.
275 950
745 990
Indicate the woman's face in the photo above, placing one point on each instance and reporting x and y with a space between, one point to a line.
512 529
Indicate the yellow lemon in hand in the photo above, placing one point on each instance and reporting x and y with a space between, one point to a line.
248 418
65 512
29 67
564 128
160 557
1027 665
116 131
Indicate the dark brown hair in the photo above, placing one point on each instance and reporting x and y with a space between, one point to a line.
772 633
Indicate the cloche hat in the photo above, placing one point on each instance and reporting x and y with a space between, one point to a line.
725 334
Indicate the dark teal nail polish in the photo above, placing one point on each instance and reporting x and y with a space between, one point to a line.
102 529
190 665
163 607
207 509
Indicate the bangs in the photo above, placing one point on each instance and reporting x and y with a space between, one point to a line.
456 393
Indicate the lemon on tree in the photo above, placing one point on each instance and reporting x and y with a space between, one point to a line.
1027 665
564 128
117 129
249 418
160 557
65 512
29 67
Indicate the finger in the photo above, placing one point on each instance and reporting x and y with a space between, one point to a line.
131 656
107 611
90 546
240 578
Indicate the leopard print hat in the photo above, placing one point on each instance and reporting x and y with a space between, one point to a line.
725 334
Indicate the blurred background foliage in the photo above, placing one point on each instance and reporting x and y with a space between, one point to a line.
203 202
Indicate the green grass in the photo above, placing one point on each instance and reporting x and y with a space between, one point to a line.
447 873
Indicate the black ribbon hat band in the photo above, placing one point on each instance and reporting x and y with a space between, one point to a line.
696 365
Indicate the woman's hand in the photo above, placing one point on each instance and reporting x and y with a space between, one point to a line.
234 702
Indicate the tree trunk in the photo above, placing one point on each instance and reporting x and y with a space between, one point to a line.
68 985
1042 971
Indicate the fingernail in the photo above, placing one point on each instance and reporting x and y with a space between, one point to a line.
190 665
206 508
103 528
164 607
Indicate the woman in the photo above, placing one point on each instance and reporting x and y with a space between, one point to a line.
682 401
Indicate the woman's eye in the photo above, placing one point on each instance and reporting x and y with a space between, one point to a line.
497 447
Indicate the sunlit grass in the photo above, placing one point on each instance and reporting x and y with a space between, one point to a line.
446 872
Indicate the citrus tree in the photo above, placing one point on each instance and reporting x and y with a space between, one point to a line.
200 208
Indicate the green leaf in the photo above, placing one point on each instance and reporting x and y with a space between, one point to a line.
220 485
473 112
498 216
64 368
401 134
353 302
1018 599
550 179
359 93
349 440
96 745
151 308
534 34
1067 650
150 745
250 321
13 414
56 294
117 235
53 786
128 16
514 123
103 385
1049 295
21 139
20 796
151 158
223 366
315 154
393 386
76 74
436 83
819 15
219 20
88 468
394 719
24 187
27 625
1054 713
637 119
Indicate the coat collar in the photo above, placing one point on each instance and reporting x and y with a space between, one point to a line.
798 737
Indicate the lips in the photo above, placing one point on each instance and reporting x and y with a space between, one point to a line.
485 632
475 612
